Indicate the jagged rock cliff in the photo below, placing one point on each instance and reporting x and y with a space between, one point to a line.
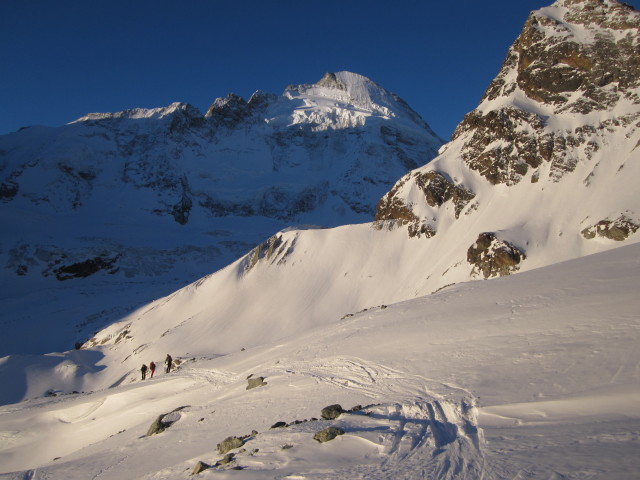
551 145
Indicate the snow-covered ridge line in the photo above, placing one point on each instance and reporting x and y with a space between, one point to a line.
141 113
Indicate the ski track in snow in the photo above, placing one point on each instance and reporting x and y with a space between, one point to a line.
422 434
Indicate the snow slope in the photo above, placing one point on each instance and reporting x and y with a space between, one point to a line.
533 375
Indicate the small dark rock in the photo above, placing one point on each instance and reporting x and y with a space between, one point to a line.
331 412
328 434
228 458
255 382
279 425
164 421
228 444
200 467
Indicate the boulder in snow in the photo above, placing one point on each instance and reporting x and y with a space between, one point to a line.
228 444
328 434
332 412
494 257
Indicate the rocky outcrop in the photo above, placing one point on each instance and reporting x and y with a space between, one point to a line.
492 257
87 267
619 229
551 64
274 250
563 74
436 188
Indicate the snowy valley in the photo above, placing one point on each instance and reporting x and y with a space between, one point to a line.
481 321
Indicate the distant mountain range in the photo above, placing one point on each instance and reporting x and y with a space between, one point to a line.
134 204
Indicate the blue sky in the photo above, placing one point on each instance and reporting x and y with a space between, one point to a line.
62 59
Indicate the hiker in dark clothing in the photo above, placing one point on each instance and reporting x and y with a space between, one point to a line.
152 368
143 369
167 362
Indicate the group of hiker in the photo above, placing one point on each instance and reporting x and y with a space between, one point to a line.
152 367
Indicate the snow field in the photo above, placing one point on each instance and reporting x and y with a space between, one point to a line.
533 375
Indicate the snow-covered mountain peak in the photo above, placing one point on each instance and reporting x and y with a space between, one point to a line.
351 88
346 99
342 100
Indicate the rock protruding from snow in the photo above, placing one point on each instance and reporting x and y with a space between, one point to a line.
164 421
255 382
328 434
332 412
229 444
552 146
619 229
494 257
200 467
436 188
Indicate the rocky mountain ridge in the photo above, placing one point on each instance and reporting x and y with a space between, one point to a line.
562 115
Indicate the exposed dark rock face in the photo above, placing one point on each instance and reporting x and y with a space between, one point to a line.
437 189
503 144
619 229
553 68
274 250
229 111
328 434
330 80
550 68
87 267
494 257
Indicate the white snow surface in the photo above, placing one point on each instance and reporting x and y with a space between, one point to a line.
536 375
